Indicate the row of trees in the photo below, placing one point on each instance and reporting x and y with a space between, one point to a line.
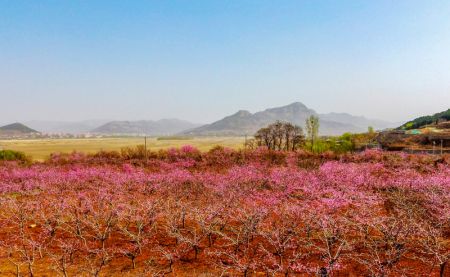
280 136
287 136
153 238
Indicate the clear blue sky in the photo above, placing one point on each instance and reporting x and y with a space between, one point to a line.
202 60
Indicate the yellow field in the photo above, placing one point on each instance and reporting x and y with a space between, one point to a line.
40 149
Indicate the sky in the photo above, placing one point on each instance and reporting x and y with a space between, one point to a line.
203 60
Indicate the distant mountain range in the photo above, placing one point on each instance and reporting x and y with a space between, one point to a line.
238 124
244 122
241 123
148 127
109 127
16 129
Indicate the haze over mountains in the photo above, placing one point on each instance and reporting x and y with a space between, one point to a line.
149 127
69 127
241 123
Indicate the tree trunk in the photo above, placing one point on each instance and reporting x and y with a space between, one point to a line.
442 269
210 240
63 266
30 269
323 272
196 252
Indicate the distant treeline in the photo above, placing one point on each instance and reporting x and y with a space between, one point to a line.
174 138
426 120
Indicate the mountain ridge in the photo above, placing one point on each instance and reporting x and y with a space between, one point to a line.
246 123
242 122
166 126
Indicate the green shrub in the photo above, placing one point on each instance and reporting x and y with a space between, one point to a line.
340 144
10 155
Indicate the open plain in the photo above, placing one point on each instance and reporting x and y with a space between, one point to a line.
40 149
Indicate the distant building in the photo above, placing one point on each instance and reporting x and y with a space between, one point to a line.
439 139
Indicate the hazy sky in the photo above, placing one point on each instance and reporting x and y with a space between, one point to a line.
202 60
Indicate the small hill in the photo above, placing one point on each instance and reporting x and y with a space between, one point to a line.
426 120
16 129
161 127
243 122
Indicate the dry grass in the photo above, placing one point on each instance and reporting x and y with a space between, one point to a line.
40 149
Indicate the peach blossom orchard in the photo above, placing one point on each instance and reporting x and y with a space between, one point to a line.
226 213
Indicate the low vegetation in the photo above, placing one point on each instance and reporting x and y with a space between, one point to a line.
10 155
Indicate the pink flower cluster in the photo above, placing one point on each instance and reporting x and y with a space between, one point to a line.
372 213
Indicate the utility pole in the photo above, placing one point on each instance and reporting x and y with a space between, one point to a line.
442 145
145 147
245 146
